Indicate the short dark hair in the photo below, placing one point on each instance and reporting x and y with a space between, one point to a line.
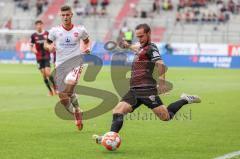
38 22
66 8
145 27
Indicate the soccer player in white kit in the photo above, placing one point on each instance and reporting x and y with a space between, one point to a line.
65 39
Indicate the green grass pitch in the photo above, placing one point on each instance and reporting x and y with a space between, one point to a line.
29 128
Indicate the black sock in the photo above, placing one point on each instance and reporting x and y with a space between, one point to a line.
117 122
74 101
173 108
47 84
52 80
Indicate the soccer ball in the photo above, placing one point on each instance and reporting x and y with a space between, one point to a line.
111 141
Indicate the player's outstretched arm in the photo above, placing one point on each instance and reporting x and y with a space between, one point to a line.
133 47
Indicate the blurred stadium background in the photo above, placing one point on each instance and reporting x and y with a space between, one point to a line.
189 34
204 33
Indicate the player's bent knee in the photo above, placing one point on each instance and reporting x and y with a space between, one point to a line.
164 118
64 99
162 113
63 96
122 108
47 74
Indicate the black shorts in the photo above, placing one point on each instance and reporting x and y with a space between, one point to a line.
142 95
43 63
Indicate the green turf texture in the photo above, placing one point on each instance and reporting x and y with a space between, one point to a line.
30 129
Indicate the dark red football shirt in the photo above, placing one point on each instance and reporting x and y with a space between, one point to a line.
143 66
38 39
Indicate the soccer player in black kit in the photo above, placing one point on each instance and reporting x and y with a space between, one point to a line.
42 56
143 87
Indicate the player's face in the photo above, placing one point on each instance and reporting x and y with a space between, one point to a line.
143 37
66 17
39 27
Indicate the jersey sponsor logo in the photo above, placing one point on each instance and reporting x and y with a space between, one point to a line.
75 34
40 41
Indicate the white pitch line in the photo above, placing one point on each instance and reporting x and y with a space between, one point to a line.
229 155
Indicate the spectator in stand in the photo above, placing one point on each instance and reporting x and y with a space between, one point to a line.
178 17
204 18
227 16
126 34
181 5
19 3
134 11
219 4
156 6
167 5
87 9
39 5
45 2
231 6
221 17
144 14
170 5
25 5
195 4
94 4
209 17
202 3
194 17
238 6
189 3
104 5
75 4
214 17
80 10
188 16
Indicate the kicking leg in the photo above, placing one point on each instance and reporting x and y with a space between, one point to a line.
168 113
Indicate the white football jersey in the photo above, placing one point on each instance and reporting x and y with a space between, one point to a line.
67 42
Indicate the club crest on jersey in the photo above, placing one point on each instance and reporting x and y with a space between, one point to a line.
75 34
152 98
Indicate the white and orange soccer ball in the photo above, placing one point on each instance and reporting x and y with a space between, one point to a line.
111 141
